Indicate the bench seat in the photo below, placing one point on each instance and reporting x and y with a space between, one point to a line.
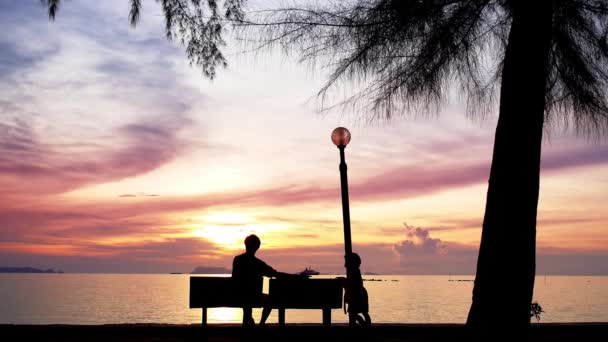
214 292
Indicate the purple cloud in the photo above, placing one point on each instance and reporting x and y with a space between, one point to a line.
29 165
413 181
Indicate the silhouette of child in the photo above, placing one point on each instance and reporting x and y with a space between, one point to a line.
355 295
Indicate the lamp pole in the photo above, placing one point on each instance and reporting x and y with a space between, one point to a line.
341 137
348 249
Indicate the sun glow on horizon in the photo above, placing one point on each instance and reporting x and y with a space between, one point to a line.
228 229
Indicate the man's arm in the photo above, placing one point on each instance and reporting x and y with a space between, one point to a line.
270 272
266 270
282 275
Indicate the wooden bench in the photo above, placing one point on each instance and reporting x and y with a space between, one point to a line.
215 292
324 294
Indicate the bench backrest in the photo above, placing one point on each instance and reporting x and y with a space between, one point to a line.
215 292
305 293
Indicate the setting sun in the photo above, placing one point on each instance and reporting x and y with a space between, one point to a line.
228 229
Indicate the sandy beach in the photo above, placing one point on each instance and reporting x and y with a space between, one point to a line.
296 332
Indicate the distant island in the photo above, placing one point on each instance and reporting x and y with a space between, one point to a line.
27 270
211 270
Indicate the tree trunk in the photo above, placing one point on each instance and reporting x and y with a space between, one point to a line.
504 282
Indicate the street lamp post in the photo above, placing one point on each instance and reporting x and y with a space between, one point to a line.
341 137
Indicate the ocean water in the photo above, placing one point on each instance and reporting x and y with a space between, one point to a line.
156 298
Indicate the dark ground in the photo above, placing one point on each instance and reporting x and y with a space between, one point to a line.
297 332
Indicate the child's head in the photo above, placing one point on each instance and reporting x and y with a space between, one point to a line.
355 260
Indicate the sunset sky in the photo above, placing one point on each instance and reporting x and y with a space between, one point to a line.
117 156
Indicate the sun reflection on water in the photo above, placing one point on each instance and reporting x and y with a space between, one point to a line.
225 315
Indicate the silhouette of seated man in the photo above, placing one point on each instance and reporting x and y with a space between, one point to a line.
248 272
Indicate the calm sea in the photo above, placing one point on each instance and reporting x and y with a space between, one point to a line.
145 298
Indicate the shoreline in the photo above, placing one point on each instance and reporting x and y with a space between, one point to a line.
160 332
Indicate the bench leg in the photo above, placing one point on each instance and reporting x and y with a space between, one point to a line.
281 317
204 323
326 317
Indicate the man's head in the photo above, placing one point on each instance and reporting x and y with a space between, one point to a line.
252 243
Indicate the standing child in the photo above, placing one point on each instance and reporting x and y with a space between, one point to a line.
355 295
